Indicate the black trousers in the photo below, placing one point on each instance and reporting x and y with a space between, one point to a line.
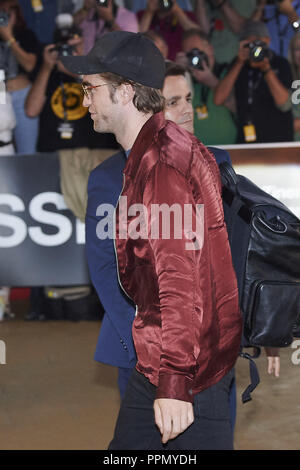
136 428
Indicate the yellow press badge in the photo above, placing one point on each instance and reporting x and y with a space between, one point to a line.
202 112
250 133
66 130
37 5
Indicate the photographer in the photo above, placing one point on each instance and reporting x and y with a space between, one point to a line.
261 81
282 19
198 56
19 50
56 96
65 125
223 21
169 20
98 17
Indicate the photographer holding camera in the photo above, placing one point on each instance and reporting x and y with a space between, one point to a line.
282 18
261 81
167 18
223 21
19 51
198 56
65 125
98 17
56 96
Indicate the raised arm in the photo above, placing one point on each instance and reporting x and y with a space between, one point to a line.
185 22
26 59
37 95
226 85
81 14
234 20
201 14
146 19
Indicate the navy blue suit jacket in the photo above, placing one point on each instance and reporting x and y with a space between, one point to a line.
115 345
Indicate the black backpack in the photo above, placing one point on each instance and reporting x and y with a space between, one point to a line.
264 237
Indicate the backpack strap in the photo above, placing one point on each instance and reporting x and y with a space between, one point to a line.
234 203
230 195
254 375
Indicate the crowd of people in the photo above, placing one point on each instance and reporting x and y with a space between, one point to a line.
241 59
241 66
219 78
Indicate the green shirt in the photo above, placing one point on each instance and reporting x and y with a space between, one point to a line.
218 128
224 40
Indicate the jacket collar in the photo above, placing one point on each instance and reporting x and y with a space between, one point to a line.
147 135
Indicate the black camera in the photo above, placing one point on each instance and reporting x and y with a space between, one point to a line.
4 18
61 38
64 49
165 5
196 58
102 3
258 51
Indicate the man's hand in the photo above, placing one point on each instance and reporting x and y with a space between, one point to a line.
6 32
77 43
244 51
172 417
152 6
273 361
106 13
286 7
263 65
181 59
205 76
89 4
50 56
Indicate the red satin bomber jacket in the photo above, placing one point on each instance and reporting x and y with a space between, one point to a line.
187 330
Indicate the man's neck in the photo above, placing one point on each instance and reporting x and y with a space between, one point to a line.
128 131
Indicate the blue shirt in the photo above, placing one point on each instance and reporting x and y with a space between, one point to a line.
41 23
280 29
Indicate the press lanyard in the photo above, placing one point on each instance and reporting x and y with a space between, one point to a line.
252 86
65 129
249 127
64 101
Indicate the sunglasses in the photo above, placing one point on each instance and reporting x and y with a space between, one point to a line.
87 89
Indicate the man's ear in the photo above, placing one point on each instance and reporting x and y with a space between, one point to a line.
125 93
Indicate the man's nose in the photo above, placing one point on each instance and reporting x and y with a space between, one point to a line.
188 108
86 101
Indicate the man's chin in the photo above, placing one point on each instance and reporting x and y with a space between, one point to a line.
188 126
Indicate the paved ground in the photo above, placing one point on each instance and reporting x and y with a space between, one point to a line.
53 394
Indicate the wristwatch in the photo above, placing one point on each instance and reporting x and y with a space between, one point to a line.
11 41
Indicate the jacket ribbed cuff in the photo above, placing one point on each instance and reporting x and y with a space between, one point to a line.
175 386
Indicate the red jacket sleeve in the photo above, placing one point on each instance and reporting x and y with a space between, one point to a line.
175 268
